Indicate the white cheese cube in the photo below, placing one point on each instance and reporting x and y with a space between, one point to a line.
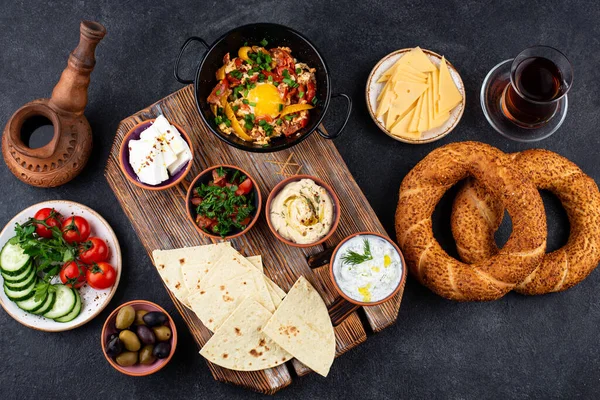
153 171
182 159
150 133
138 151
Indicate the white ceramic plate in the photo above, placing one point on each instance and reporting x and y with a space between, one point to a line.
374 89
94 300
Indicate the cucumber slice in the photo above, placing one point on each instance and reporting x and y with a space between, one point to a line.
47 305
18 278
31 304
21 285
13 261
75 312
23 294
64 304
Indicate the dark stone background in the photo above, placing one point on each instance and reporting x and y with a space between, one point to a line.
516 347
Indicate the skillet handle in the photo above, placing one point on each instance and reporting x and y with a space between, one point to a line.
181 51
339 132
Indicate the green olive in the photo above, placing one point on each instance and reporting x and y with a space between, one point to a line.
139 317
162 333
127 359
130 340
125 317
146 356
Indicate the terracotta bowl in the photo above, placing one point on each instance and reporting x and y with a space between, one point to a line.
295 178
138 369
134 134
372 303
205 177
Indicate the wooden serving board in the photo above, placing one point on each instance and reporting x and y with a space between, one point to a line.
283 263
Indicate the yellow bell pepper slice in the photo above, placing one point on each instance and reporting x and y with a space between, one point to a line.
294 108
221 73
237 128
243 52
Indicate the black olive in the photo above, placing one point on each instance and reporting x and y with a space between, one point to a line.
155 318
146 335
114 346
162 350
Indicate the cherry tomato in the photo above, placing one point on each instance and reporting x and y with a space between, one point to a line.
51 218
93 250
101 275
310 92
219 180
205 222
244 187
75 229
73 274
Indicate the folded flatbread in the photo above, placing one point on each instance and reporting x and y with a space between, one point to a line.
241 345
301 326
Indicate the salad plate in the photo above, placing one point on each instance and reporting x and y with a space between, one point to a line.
93 301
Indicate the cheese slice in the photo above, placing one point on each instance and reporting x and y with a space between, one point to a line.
414 122
385 100
407 92
430 100
449 94
418 60
436 90
423 124
440 120
401 129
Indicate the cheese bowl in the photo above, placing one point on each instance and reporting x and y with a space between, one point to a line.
277 35
374 89
124 162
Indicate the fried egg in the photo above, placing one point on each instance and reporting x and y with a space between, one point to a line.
265 100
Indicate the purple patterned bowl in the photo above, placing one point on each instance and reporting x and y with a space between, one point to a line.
137 369
134 134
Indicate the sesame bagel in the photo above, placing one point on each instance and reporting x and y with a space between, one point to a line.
477 214
489 278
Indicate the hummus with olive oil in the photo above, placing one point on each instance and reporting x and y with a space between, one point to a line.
302 212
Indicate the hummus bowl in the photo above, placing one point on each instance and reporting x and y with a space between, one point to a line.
206 178
302 211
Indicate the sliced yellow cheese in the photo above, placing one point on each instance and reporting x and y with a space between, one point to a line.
407 93
412 70
423 123
436 90
388 73
418 60
385 100
430 99
450 97
401 128
414 122
440 120
403 75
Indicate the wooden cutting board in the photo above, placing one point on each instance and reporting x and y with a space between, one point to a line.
169 226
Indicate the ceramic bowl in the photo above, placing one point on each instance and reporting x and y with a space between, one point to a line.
205 177
401 282
373 90
295 178
134 134
138 369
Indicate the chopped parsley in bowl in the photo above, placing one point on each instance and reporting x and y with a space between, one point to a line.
223 202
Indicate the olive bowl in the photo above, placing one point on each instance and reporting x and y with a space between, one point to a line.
109 328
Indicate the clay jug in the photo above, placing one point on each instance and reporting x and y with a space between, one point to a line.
67 152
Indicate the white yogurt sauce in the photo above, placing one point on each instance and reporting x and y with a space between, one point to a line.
372 278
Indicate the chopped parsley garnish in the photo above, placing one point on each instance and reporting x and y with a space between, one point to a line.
235 108
298 71
246 101
280 107
314 100
218 92
286 74
270 78
300 95
253 104
264 43
236 74
249 121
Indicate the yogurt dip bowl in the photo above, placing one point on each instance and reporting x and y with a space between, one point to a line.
367 269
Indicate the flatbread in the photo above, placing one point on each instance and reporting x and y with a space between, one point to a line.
232 264
213 305
199 261
241 345
301 325
277 293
